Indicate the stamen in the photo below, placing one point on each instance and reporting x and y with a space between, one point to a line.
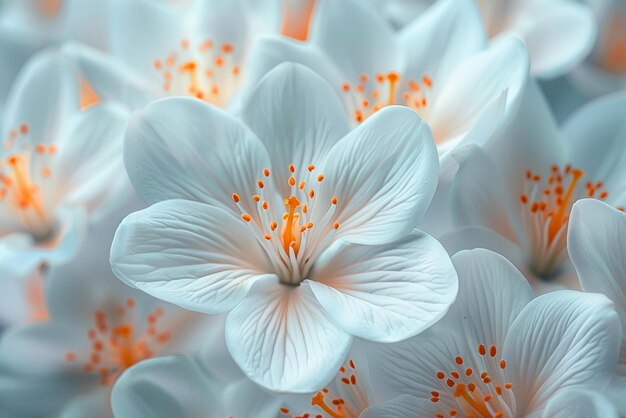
204 72
115 343
366 97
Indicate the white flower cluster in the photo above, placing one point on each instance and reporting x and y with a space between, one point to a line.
312 208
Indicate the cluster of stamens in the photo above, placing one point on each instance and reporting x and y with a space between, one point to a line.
116 344
476 393
370 95
336 406
612 49
207 72
546 205
20 184
298 238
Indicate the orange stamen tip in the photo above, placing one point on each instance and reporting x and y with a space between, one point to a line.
246 217
236 198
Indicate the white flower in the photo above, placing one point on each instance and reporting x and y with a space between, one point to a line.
499 353
597 246
97 329
516 196
59 165
196 48
298 227
559 34
604 71
29 25
176 386
439 66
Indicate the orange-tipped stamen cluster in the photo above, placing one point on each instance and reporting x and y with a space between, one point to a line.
294 234
611 54
349 406
23 171
371 94
117 344
207 72
546 205
474 392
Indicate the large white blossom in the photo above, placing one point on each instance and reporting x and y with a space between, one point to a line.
298 227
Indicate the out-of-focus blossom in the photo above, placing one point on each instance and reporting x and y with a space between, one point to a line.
439 66
98 328
604 71
597 246
499 353
29 25
559 34
177 386
60 165
192 48
516 196
296 226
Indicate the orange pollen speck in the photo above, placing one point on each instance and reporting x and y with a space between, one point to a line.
116 343
370 94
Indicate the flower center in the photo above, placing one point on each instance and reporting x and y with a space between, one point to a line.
20 182
546 204
306 223
332 405
370 95
116 343
482 391
612 49
297 18
206 72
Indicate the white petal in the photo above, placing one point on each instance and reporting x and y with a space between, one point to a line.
475 85
404 406
386 293
580 403
283 340
441 38
163 387
479 196
298 117
563 339
492 293
110 78
143 31
384 174
270 51
191 254
354 38
184 148
596 242
95 404
559 35
20 254
88 166
43 95
604 157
